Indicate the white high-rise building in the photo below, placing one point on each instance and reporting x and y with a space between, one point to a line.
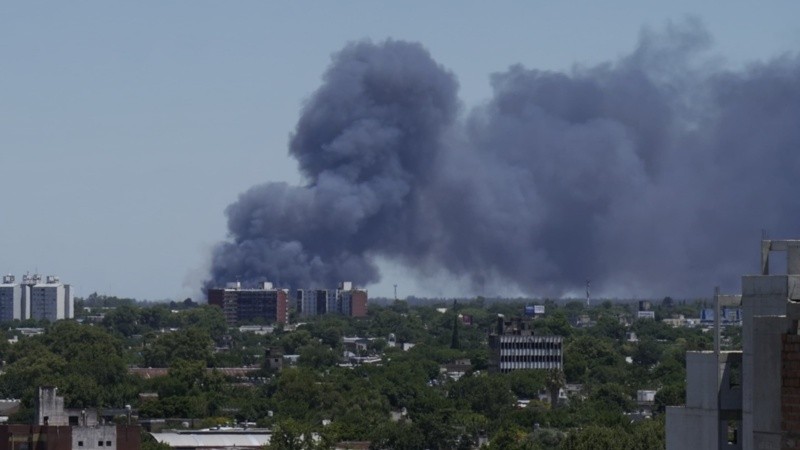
51 300
10 299
28 282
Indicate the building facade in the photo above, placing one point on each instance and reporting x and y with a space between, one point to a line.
10 299
34 299
514 346
748 399
346 300
51 300
240 305
57 428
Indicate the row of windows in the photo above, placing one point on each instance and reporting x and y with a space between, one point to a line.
99 443
533 345
529 358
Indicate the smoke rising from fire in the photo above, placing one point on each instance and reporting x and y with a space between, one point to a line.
653 174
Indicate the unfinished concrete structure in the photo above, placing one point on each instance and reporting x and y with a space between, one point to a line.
760 409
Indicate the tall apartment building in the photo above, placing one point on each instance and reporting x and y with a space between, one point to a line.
51 300
34 299
748 399
514 346
345 300
353 301
10 299
313 302
263 304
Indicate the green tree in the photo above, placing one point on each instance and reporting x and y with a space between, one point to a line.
489 395
124 320
293 435
192 344
554 381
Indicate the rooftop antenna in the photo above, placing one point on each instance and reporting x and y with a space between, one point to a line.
588 284
717 311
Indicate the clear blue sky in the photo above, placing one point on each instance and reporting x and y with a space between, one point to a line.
127 128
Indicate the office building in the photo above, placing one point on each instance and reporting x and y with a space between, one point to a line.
514 346
264 304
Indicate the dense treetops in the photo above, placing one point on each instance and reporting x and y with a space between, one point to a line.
405 401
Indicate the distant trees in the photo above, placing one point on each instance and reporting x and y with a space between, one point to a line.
190 344
406 401
86 363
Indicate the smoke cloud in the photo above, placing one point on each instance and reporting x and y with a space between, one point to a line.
651 175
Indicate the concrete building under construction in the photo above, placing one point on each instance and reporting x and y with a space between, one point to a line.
748 399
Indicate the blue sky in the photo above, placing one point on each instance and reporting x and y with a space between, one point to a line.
127 128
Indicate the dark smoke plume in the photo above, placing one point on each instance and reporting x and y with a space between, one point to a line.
651 175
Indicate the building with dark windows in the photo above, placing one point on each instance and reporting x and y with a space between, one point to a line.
265 304
514 346
346 300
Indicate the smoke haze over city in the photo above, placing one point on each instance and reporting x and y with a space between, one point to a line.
651 173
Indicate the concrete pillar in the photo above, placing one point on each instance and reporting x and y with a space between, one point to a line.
768 345
793 258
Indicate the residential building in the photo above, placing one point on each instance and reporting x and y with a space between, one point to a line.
514 346
57 428
33 299
346 300
748 399
241 305
315 302
10 299
51 300
352 301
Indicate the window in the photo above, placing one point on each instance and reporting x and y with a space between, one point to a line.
99 443
80 443
108 443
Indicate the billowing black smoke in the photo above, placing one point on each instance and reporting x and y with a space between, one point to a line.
652 175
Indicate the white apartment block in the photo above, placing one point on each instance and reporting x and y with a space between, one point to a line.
34 298
10 299
51 300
